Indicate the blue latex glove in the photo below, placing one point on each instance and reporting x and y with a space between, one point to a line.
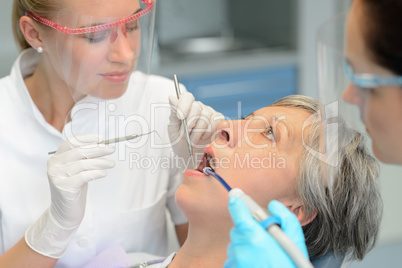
252 246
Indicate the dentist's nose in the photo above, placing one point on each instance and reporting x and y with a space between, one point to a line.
348 94
353 96
120 50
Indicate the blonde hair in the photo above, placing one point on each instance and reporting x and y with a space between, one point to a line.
42 8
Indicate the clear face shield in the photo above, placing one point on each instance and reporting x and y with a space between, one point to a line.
339 120
352 81
347 170
96 56
332 78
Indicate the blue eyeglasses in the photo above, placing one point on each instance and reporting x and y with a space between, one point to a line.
370 80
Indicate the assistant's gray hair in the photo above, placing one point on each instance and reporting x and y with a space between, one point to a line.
346 197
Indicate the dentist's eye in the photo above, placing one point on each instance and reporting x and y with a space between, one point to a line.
132 26
269 133
97 37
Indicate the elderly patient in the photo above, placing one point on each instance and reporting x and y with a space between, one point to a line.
264 155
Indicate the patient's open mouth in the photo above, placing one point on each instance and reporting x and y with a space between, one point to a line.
206 161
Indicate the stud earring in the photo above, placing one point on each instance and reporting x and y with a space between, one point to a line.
40 49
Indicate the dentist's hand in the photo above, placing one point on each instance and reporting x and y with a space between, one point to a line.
202 122
252 246
75 163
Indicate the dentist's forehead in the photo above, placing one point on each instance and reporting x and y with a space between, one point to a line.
102 8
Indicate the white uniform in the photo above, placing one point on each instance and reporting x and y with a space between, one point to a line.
126 207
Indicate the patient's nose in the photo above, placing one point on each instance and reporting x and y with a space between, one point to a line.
229 132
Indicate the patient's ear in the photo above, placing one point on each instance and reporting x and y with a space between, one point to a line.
298 209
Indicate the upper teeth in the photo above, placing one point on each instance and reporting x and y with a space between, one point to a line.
211 162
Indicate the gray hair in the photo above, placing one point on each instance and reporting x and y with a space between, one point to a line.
346 198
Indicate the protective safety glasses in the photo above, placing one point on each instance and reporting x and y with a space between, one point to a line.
99 32
365 80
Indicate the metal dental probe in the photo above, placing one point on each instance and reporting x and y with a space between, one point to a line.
126 138
184 121
119 139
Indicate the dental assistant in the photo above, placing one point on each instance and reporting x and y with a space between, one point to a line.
373 54
71 89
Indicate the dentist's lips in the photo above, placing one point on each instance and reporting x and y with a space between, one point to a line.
116 77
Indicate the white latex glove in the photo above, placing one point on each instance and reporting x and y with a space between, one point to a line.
75 163
202 122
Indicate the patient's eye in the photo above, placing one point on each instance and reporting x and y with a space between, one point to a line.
269 133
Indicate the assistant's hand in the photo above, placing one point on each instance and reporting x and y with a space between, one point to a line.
75 163
252 246
202 121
